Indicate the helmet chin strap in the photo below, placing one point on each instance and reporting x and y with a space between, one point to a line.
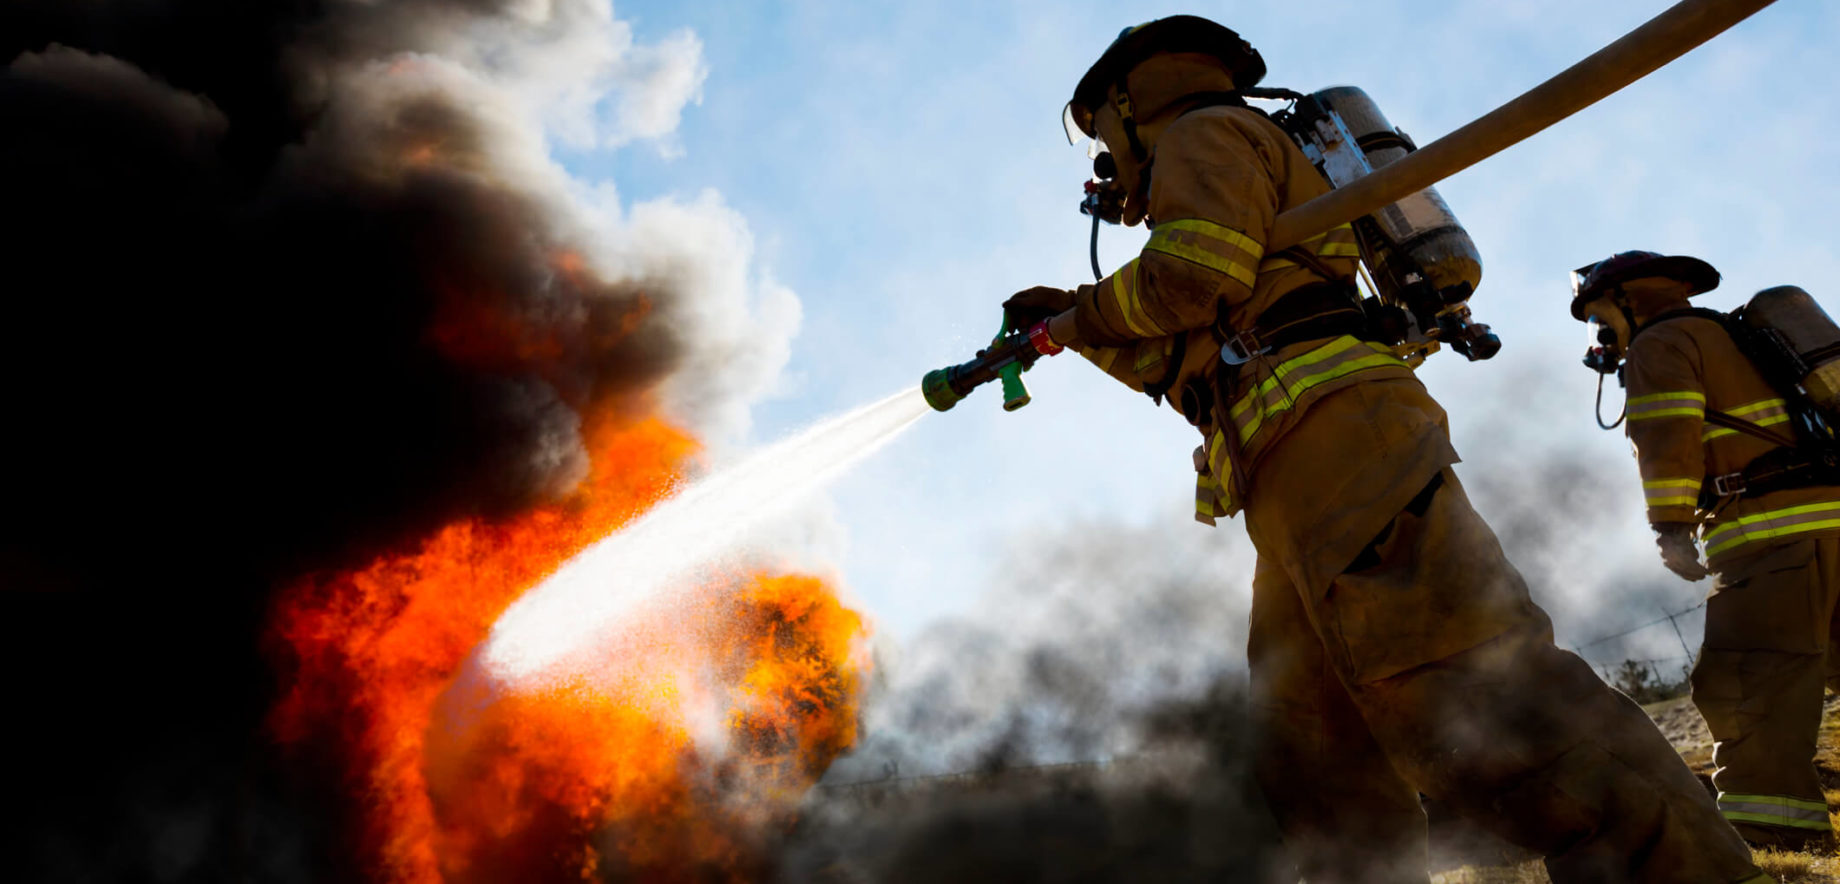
1125 118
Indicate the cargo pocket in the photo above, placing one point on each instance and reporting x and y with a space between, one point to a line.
1434 583
1769 601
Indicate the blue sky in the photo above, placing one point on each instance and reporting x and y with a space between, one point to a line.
902 170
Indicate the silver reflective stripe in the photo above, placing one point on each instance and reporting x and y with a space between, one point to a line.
1774 810
1674 403
1772 524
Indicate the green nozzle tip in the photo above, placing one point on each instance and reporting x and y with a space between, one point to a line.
1018 402
937 388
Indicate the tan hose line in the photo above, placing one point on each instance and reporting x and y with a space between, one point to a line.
1638 53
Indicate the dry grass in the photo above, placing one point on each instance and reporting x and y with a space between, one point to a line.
1798 868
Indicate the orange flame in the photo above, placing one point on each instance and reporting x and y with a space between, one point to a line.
668 764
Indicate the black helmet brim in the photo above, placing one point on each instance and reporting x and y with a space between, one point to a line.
1701 276
1177 33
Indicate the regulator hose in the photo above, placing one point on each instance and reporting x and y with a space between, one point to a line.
1098 276
1600 406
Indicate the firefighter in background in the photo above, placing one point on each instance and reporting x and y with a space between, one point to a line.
1393 648
1699 411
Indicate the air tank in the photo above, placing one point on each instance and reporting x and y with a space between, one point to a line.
1424 264
1422 234
1791 317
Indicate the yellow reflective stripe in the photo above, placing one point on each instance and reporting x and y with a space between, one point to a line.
1679 394
1155 354
1228 235
1763 413
1774 810
1772 524
1326 351
1101 356
1338 242
1757 406
1211 498
1780 800
1678 403
1210 245
1340 369
1721 432
1773 820
1127 300
1671 492
1326 369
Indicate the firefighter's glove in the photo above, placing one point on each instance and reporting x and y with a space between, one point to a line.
1678 551
1029 306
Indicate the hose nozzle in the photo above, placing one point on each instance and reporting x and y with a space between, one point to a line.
1006 358
937 388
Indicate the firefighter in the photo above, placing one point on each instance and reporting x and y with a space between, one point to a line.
1393 648
1699 410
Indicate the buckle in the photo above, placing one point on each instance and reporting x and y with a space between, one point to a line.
1242 348
1729 485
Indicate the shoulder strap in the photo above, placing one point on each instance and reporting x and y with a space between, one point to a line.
1741 425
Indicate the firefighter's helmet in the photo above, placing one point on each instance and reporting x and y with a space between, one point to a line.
1593 281
1186 34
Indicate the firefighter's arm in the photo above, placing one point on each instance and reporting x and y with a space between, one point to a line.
1213 195
1667 413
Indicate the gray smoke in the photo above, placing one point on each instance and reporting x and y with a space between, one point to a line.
1088 720
1049 708
1091 629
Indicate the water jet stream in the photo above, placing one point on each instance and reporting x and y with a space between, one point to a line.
566 613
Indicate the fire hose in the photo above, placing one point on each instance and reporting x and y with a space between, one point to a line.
1667 36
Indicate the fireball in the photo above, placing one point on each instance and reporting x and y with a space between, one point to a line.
673 748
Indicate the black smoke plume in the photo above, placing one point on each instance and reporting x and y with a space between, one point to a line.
285 286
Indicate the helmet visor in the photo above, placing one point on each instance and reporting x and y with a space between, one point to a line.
1579 276
1607 332
1075 121
1070 121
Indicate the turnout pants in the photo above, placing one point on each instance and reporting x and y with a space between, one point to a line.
1512 731
1758 683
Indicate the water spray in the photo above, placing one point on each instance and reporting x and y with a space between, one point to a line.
704 525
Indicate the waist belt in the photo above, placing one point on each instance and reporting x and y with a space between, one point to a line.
1318 310
1778 470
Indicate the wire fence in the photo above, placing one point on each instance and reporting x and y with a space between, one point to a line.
1685 658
